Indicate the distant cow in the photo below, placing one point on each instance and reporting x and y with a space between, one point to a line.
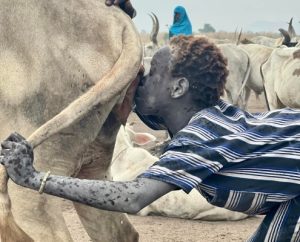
239 69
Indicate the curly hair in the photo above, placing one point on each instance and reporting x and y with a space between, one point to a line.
202 63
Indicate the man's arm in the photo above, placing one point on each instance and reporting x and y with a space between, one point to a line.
129 197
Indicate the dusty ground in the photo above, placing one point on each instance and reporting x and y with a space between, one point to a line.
161 229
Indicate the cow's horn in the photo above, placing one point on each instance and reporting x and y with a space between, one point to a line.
286 36
155 28
239 37
291 29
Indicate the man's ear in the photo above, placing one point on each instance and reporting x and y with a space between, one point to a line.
180 87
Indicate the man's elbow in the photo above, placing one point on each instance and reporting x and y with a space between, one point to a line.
138 203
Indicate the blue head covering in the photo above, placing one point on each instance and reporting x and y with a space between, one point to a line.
183 25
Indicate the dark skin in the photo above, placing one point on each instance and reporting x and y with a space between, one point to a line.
125 5
130 197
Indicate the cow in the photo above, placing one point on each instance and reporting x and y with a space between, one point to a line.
65 67
281 75
263 40
258 55
129 161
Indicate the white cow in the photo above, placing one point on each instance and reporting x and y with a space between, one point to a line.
288 38
281 74
129 161
266 41
261 55
64 66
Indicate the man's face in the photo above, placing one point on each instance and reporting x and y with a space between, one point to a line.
153 93
176 17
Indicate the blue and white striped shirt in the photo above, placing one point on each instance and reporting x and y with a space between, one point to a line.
241 161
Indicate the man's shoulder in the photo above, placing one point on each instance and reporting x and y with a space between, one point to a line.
222 108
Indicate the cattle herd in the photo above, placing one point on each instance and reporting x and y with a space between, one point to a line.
63 69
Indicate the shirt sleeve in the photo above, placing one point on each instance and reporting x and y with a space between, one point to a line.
185 165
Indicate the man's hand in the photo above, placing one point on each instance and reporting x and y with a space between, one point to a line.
125 5
17 157
115 2
123 110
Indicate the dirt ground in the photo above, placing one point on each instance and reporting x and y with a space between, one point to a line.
161 229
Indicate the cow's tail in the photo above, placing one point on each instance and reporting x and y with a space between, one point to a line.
244 81
106 90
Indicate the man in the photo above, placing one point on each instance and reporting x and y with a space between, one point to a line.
237 160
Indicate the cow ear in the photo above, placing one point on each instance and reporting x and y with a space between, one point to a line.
139 138
143 139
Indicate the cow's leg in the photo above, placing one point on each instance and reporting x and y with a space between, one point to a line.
40 216
247 96
102 225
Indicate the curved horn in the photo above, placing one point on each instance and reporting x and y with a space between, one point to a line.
286 36
239 37
235 32
155 28
291 29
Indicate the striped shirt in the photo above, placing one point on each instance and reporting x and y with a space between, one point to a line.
241 161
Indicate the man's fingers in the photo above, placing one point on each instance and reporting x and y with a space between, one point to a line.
7 145
109 2
15 137
114 2
18 137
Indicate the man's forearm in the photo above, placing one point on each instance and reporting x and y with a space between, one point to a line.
128 197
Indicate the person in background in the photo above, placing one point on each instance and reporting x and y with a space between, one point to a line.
181 23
